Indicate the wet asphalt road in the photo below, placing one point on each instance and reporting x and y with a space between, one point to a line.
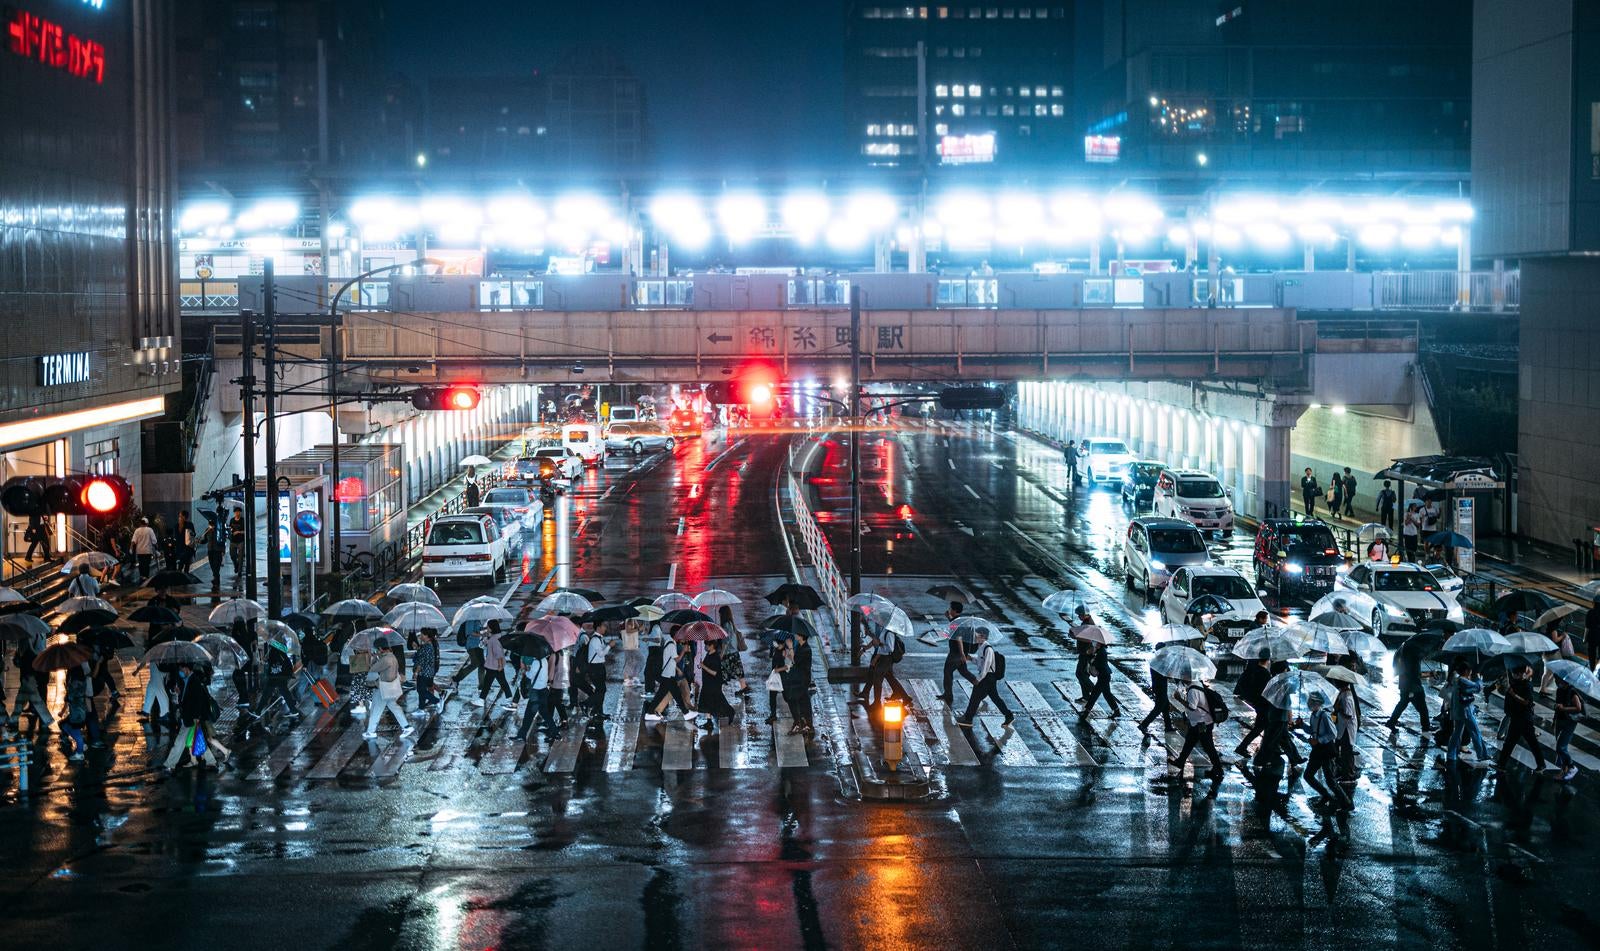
1049 835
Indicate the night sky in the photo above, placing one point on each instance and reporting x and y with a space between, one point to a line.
727 84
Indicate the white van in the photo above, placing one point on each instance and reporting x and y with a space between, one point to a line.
624 414
463 547
585 441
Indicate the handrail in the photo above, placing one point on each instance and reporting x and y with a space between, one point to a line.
18 755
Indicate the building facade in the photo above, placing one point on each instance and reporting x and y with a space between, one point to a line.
955 85
1536 184
1366 87
86 269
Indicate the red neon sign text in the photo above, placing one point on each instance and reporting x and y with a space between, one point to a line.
49 43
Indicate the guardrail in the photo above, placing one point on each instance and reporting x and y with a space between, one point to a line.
835 590
17 755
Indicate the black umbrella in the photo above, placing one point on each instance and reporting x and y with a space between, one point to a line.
531 646
109 638
788 623
949 592
94 617
1421 647
802 596
619 612
177 632
14 607
1522 600
23 627
171 578
587 593
639 602
300 621
155 614
683 616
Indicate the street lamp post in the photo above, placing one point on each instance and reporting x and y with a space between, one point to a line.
855 468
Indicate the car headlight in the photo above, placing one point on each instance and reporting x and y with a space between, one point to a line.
1393 611
1158 565
1455 613
1293 568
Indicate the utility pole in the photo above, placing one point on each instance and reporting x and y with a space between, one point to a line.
268 370
855 468
247 394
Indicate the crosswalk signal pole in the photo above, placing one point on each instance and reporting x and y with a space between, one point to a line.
855 469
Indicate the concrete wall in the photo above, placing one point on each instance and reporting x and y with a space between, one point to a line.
1365 440
1558 427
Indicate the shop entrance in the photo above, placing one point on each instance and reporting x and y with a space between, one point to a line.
45 459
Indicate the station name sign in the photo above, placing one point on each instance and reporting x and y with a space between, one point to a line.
61 369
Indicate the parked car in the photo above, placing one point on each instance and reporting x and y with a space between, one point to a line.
1408 596
463 546
639 436
1105 460
585 441
518 501
1229 583
1139 482
1296 559
1194 495
1155 547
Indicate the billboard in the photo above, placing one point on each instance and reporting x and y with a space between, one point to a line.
1102 149
966 149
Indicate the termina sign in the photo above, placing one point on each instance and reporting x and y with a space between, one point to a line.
60 369
966 149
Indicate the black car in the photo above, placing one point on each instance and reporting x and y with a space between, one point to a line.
1296 559
1139 483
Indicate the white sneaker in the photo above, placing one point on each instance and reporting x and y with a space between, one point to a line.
652 718
358 711
408 730
370 736
477 701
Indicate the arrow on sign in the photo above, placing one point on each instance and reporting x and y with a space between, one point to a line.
719 338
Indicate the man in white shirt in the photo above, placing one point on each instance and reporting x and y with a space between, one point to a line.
145 544
1201 729
537 675
886 651
84 584
990 670
594 658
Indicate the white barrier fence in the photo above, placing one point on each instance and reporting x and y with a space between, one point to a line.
835 590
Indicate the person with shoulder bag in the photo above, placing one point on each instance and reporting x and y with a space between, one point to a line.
386 674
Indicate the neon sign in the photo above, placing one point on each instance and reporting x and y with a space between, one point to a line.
50 43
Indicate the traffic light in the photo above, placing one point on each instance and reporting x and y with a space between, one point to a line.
972 397
454 397
755 387
101 495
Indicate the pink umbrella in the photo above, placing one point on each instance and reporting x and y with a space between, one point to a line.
557 631
699 631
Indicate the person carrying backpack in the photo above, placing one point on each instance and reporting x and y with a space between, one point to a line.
1324 750
991 670
1205 711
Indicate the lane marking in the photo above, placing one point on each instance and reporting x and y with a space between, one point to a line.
971 492
682 521
672 576
951 463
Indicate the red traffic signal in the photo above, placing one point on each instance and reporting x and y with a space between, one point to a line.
29 496
755 387
455 397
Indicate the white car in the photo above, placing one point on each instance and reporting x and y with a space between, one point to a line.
1407 596
463 546
1193 495
554 463
1194 581
1105 459
517 500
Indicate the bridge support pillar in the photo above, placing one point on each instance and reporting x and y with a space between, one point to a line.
1275 465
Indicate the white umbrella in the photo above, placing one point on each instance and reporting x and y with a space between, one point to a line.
1555 614
10 595
413 616
566 602
1578 675
410 592
235 609
1529 642
1479 639
1172 634
1353 603
369 639
481 613
74 605
715 598
1341 674
1270 643
1183 663
1281 690
894 620
1320 637
96 560
1093 633
476 460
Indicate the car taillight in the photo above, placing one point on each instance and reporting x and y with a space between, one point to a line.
432 559
479 557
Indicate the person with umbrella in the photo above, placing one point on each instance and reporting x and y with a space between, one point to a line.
1324 739
732 661
83 584
991 670
536 683
194 712
673 684
155 695
713 702
1100 664
1519 718
494 666
1408 677
214 538
279 667
1248 688
1411 529
77 718
595 651
474 644
1083 671
1464 714
31 684
1569 709
386 671
427 666
797 680
780 658
1564 648
1202 729
1162 701
1348 708
956 657
100 672
654 656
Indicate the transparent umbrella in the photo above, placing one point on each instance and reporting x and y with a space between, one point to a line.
1320 637
867 604
565 602
96 560
178 652
1172 634
413 616
715 598
1529 642
370 639
1282 690
1270 643
353 609
671 601
74 605
1064 601
236 609
226 653
1579 676
409 593
894 620
1555 614
968 628
1183 663
481 613
1479 640
1338 620
278 636
1360 642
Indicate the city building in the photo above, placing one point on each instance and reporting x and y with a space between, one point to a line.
1367 88
959 85
586 114
283 85
86 268
1536 184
